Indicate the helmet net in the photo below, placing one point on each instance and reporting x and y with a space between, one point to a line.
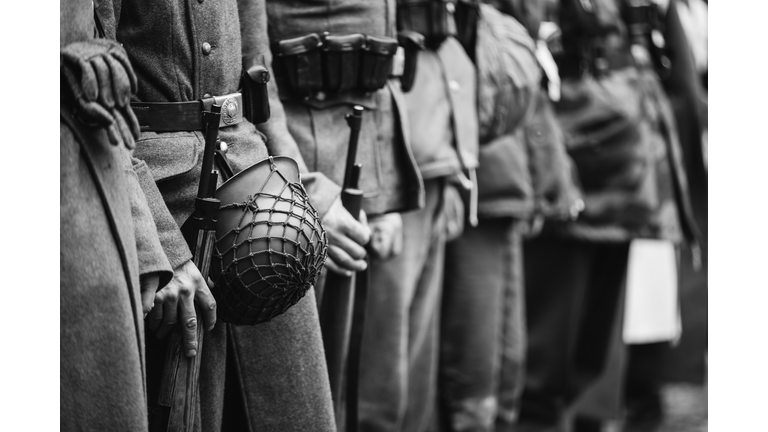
268 261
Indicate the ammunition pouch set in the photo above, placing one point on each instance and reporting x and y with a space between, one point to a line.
310 64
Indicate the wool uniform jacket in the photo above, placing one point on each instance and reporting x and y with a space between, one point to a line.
108 239
442 111
267 377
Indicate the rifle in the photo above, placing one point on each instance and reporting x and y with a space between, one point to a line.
342 309
179 394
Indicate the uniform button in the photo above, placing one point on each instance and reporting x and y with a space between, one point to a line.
454 85
206 96
206 48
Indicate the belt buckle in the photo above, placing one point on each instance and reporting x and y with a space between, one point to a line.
231 108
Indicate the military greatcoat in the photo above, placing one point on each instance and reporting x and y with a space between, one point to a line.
108 240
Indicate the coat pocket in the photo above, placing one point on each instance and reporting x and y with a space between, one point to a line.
169 154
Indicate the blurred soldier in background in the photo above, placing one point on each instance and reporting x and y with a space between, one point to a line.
628 162
482 331
400 349
678 50
524 176
111 261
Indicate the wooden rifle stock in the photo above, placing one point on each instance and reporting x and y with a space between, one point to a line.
179 394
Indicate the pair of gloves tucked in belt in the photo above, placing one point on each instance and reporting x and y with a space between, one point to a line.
97 81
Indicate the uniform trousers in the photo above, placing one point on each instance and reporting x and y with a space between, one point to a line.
573 293
400 346
482 342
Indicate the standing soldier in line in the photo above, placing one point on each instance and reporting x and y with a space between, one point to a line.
651 365
187 54
325 58
111 261
631 178
525 177
400 349
524 173
308 106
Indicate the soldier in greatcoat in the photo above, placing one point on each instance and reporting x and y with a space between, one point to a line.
111 261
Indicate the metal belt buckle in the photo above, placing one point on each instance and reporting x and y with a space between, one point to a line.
231 108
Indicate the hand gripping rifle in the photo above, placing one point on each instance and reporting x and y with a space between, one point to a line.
179 389
342 310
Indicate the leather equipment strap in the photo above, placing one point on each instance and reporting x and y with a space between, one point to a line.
187 116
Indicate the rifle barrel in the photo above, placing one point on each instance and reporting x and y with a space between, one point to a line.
354 120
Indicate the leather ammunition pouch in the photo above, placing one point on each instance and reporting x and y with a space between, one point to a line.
255 96
298 64
334 63
341 62
432 18
412 43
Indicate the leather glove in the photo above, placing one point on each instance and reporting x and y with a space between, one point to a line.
386 236
99 80
453 208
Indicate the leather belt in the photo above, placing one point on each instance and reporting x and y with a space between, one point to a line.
187 116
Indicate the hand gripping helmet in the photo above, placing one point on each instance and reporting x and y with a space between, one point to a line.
270 243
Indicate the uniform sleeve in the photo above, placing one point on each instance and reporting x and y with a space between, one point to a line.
159 242
168 232
255 41
152 258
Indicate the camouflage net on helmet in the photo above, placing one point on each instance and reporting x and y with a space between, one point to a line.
266 264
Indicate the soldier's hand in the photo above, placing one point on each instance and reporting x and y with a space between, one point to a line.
387 235
347 238
148 283
176 303
453 208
